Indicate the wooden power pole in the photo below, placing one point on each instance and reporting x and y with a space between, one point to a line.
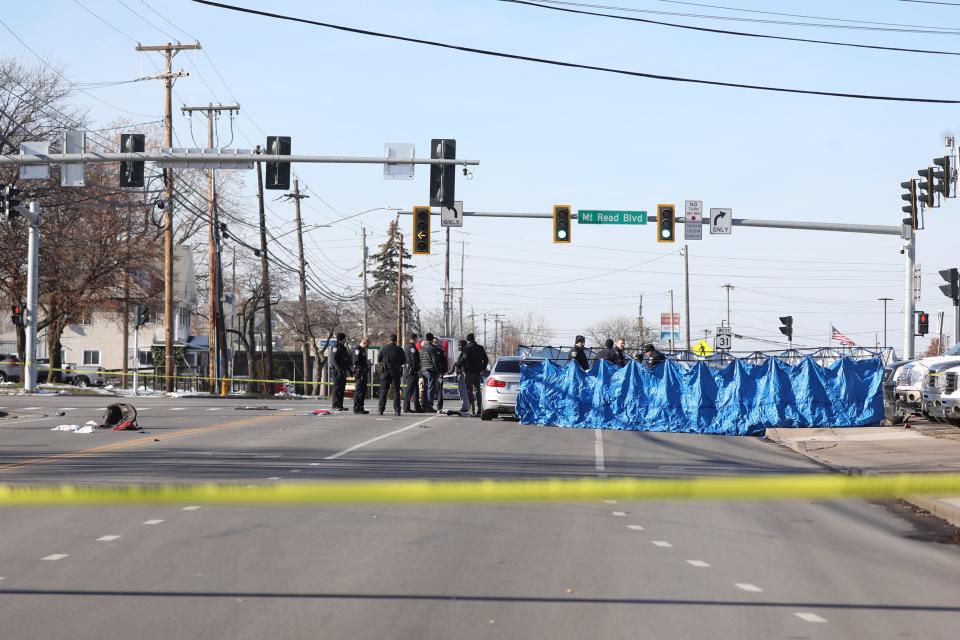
169 50
265 274
296 196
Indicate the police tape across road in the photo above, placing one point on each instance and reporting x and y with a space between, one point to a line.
791 487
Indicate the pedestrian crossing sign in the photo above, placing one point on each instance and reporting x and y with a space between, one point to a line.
703 348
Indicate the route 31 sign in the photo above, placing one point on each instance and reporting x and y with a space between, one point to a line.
721 221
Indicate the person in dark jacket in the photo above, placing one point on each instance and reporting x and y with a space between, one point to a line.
428 371
475 363
459 368
652 357
361 376
621 353
412 376
340 363
392 360
607 353
579 354
442 369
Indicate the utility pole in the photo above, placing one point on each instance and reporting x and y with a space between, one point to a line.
484 329
400 285
885 301
640 324
296 196
940 332
169 50
686 292
728 287
463 252
265 275
363 263
671 319
446 289
215 346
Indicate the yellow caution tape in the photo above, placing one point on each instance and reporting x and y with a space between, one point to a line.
821 486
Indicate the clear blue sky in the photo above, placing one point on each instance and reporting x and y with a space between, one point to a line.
548 135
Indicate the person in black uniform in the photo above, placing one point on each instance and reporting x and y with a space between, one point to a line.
340 363
652 356
607 353
412 376
578 353
475 364
361 376
621 354
392 360
428 370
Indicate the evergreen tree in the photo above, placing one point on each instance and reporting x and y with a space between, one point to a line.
382 295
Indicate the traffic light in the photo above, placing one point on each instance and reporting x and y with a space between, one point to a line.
911 197
952 288
945 175
278 173
421 230
10 202
787 328
442 176
923 323
143 315
131 173
666 222
927 188
16 316
561 223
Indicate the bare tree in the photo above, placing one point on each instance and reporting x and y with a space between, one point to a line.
625 327
528 329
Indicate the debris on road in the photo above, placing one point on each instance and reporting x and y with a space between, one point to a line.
318 412
261 407
74 428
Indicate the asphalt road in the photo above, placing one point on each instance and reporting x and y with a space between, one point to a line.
801 569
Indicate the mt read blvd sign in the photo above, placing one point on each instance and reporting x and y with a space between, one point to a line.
595 216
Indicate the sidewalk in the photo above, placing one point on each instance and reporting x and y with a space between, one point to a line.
924 448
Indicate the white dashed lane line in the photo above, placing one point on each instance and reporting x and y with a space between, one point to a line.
30 408
314 464
273 478
55 556
619 514
108 538
178 409
214 409
609 502
697 563
806 616
295 470
746 586
634 527
662 543
152 521
192 507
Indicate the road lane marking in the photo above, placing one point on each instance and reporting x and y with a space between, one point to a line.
634 527
107 538
746 586
131 443
598 451
340 454
295 470
152 521
662 543
273 478
314 464
809 617
609 502
55 556
192 507
697 563
30 408
619 514
178 409
214 409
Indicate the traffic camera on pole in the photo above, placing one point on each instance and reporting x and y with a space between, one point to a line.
561 223
666 222
945 175
911 197
927 187
442 176
131 172
278 173
421 230
787 327
923 323
952 288
16 315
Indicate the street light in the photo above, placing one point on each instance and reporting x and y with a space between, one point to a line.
885 301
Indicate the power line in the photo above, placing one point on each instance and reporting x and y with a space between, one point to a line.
571 65
725 31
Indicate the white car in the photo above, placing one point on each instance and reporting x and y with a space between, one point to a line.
501 387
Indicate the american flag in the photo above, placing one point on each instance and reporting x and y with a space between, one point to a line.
839 337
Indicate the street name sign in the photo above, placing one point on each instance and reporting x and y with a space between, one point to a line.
693 220
452 217
596 216
721 221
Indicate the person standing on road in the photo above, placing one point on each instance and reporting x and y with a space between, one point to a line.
361 376
392 360
428 370
442 369
412 376
652 357
475 363
459 369
607 353
340 364
621 354
579 354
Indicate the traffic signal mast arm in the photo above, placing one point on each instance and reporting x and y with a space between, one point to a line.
198 159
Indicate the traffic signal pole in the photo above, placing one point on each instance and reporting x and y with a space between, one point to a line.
909 253
33 272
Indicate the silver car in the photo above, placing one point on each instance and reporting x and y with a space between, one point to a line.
501 387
